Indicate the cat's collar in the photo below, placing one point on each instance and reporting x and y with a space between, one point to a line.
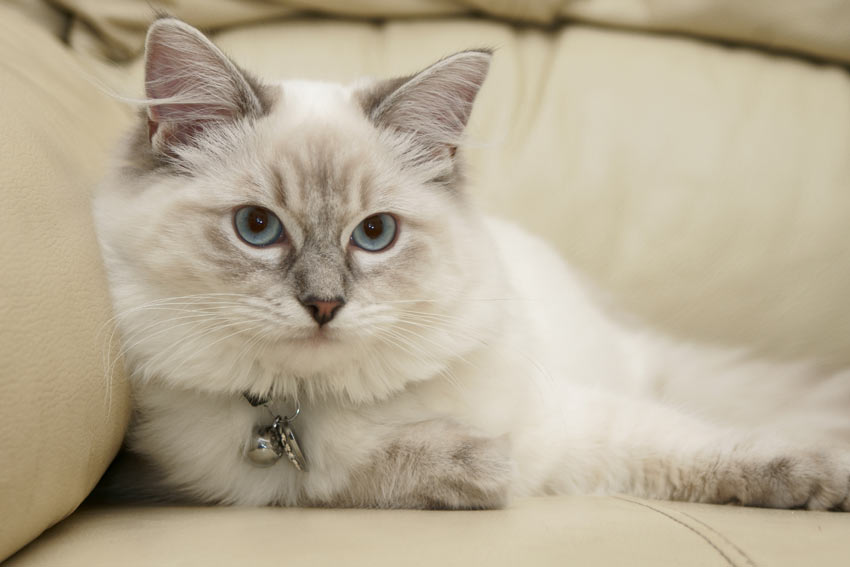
271 442
256 400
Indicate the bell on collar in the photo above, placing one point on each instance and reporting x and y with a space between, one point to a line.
270 443
265 449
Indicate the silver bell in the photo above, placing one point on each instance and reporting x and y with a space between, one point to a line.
262 450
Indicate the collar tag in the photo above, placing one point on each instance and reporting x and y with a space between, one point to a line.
272 442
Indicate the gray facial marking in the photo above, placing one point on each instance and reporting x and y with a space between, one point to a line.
320 183
366 180
278 188
267 95
236 261
326 173
320 270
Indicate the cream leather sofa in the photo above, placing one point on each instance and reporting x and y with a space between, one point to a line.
691 156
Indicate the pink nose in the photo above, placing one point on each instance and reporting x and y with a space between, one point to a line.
322 310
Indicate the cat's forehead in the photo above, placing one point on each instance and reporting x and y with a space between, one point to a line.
302 101
321 149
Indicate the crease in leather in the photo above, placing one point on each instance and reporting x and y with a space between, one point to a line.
721 544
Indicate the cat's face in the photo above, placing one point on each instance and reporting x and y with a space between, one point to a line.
297 238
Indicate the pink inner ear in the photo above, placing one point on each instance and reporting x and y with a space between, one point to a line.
197 84
205 97
183 68
436 104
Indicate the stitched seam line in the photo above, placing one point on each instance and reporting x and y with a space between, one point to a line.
723 537
704 537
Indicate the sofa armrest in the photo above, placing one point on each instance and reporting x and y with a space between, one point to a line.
59 424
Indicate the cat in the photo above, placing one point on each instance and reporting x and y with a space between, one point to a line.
309 248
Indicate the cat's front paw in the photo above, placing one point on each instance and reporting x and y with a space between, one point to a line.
473 473
788 478
437 465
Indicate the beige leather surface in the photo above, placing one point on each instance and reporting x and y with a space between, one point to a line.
817 27
555 531
43 15
57 431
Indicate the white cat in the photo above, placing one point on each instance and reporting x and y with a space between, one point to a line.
311 246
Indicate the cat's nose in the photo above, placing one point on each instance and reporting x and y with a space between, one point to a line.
322 310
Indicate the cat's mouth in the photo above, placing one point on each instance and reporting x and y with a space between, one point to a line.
316 337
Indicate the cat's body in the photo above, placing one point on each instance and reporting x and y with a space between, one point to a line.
458 366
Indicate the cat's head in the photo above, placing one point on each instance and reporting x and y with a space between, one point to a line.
296 237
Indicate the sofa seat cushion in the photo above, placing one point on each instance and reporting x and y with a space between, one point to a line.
553 531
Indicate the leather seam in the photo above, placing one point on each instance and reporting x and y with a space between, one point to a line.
693 529
743 554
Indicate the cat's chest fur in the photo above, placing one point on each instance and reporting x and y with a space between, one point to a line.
201 440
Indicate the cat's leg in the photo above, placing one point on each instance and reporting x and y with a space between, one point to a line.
435 464
652 450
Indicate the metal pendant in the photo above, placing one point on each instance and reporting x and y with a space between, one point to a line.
265 449
272 442
290 444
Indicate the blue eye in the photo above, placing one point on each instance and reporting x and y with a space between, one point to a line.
376 233
257 226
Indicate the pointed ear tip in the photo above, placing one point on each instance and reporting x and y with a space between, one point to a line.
157 30
483 52
164 24
481 56
161 22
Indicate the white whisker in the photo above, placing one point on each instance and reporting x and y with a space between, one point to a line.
448 300
180 345
194 319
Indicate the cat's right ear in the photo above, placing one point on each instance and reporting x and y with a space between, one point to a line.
433 105
191 86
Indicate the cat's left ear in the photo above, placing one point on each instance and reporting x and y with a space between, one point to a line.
191 85
433 105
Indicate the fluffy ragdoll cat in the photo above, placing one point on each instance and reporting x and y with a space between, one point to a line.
312 244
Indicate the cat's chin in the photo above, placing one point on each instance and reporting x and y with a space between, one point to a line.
316 338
